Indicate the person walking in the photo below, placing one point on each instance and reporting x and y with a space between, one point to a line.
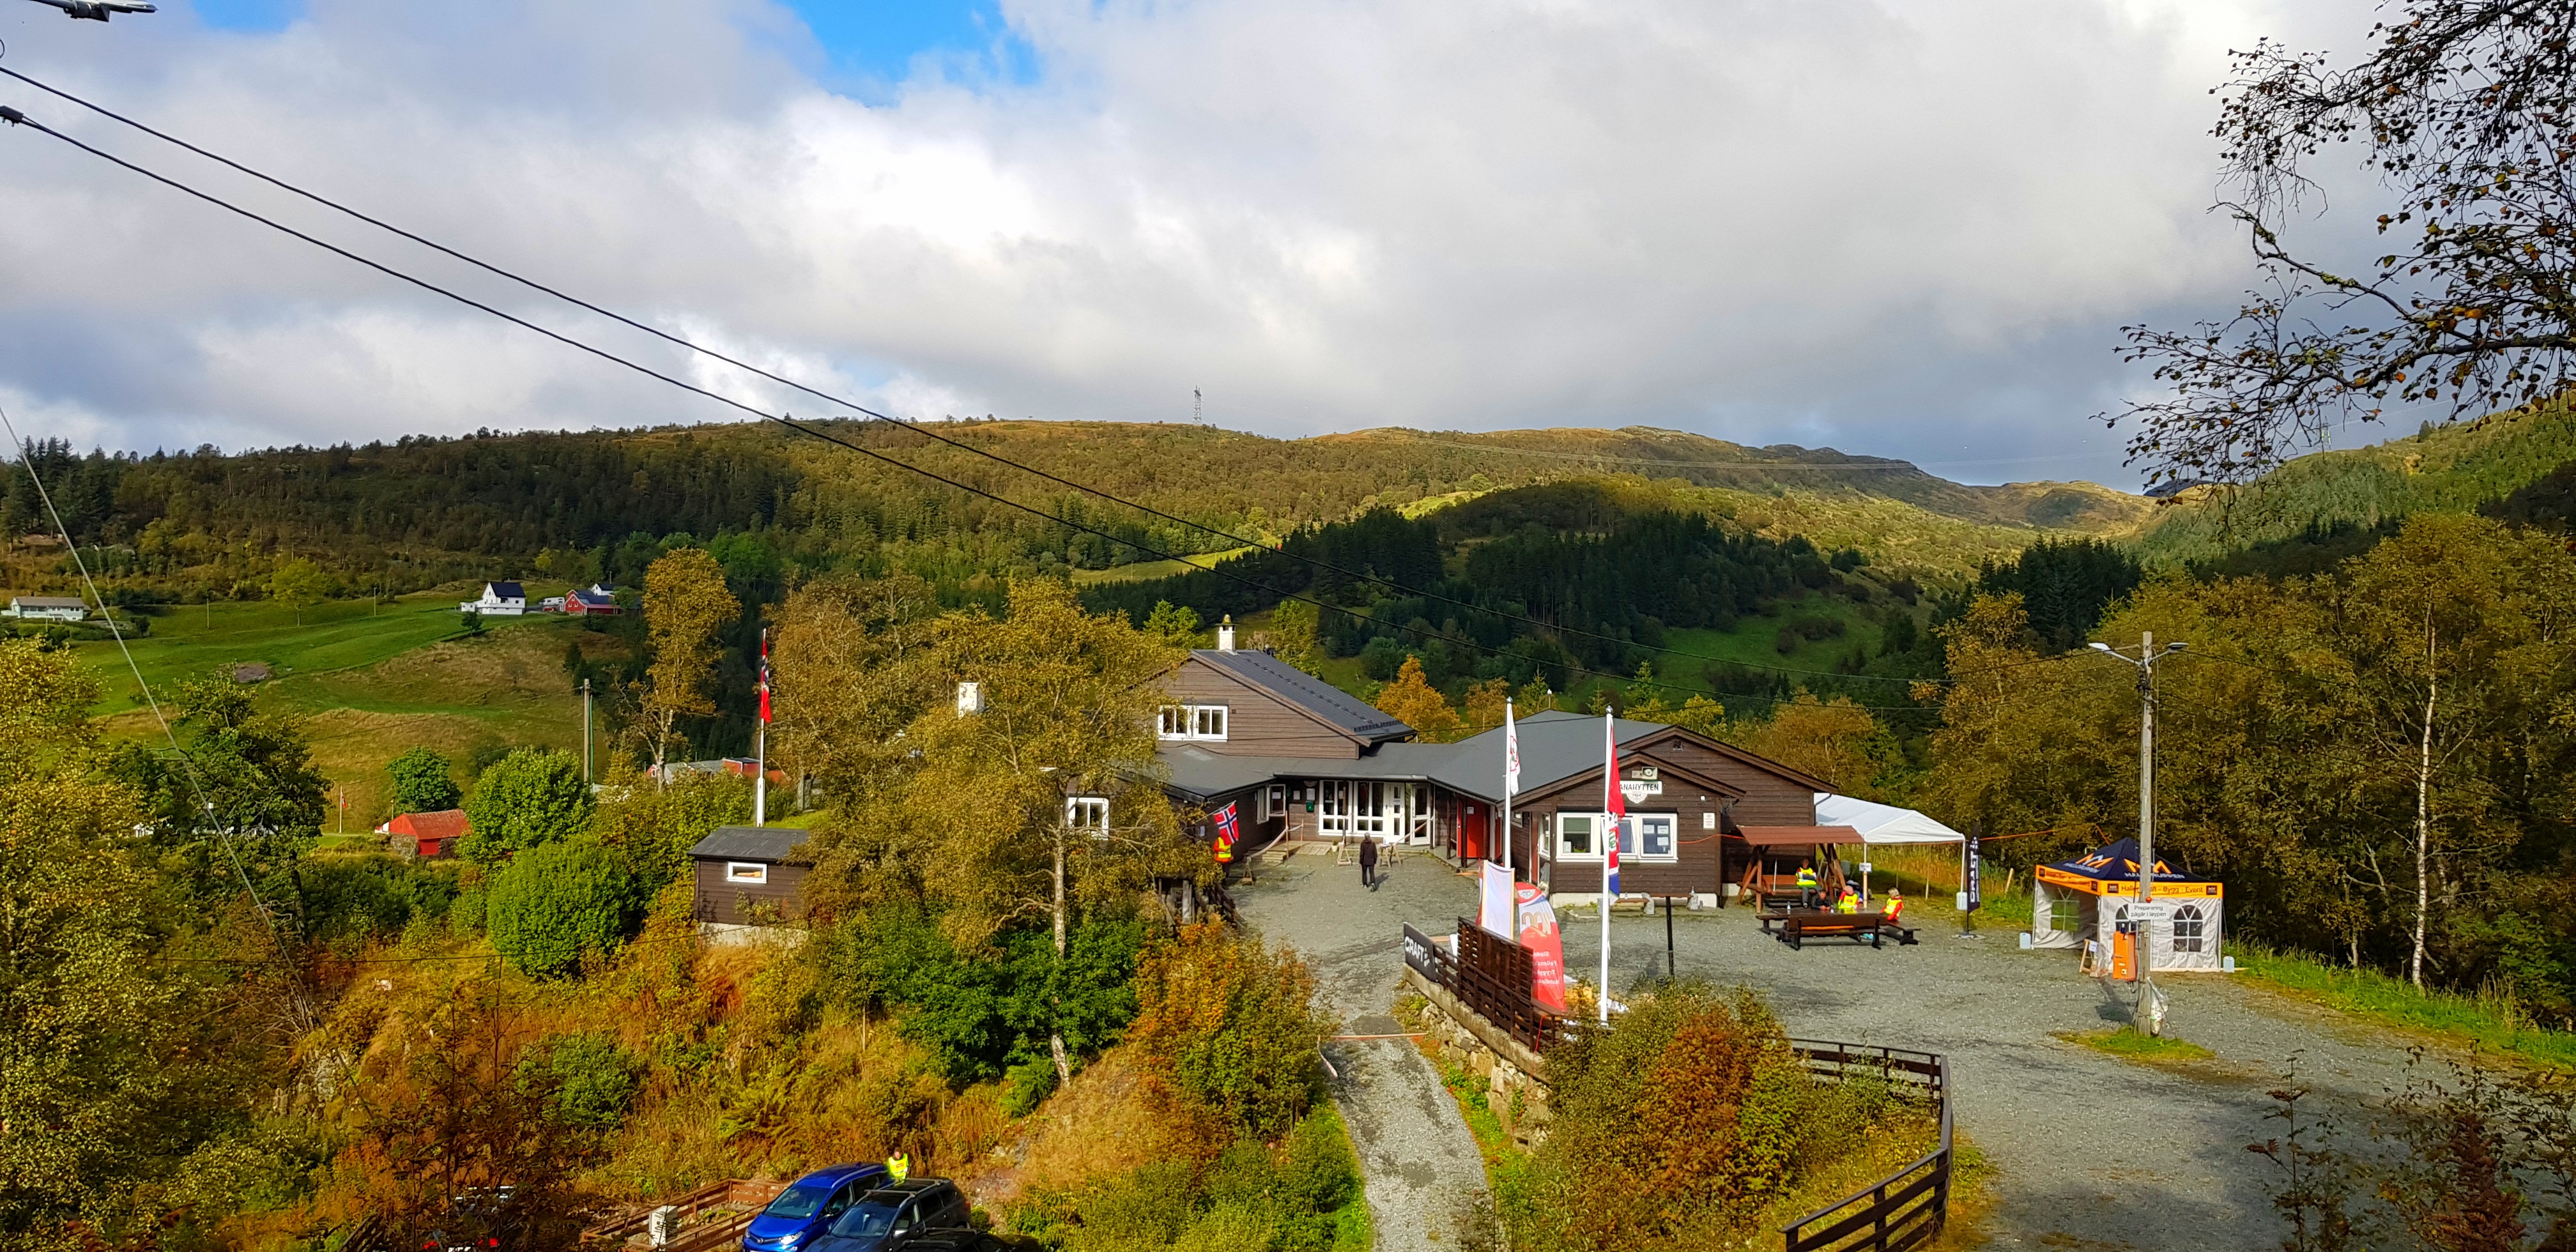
1368 862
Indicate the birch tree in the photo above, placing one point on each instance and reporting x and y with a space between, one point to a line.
685 603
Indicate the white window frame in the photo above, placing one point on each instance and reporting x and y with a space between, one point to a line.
1089 814
1633 836
1274 800
747 873
1205 722
1592 831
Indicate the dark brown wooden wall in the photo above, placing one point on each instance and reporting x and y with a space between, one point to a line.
1768 800
722 901
1257 722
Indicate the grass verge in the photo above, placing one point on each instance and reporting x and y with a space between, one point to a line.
2491 1022
2130 1045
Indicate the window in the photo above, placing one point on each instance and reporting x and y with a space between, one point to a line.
2190 928
1574 837
2064 912
746 871
1649 836
1089 814
1192 721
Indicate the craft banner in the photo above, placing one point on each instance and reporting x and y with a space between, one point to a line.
1547 948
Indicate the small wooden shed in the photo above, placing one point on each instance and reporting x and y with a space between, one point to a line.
750 875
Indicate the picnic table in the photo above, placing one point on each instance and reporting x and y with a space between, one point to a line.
1797 926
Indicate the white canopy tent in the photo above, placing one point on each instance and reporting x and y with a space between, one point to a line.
1881 823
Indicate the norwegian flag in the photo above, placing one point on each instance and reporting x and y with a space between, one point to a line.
764 674
1228 829
1614 804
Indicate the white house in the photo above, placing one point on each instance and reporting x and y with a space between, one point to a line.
49 608
499 600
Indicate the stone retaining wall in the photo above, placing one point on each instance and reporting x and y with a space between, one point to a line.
1462 1037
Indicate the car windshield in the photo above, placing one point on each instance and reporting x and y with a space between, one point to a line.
798 1201
868 1219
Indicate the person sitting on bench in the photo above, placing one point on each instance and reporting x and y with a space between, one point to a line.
1850 903
1806 884
1895 906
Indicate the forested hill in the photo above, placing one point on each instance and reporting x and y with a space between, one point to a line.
423 511
2327 506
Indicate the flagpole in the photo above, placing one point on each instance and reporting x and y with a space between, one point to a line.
760 742
1609 845
1511 777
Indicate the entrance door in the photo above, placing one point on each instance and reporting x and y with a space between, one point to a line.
1472 828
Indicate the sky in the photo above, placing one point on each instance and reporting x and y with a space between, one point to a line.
1910 229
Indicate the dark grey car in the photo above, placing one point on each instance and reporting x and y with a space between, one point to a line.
895 1214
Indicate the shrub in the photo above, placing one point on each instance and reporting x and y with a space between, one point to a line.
1250 1198
590 1080
1027 1085
1229 1028
357 897
1674 1127
557 901
421 782
654 829
525 799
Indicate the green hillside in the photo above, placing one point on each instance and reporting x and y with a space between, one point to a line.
420 512
2332 502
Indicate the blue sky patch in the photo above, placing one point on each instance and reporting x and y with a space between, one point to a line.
249 15
876 40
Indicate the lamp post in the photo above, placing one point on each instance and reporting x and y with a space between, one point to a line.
2142 926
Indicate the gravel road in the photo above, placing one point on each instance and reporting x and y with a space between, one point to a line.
1425 1180
2090 1151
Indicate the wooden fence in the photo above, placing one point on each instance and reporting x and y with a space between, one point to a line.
1903 1210
713 1216
1906 1208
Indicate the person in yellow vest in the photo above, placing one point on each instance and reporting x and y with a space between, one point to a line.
897 1166
1806 884
1895 906
1850 903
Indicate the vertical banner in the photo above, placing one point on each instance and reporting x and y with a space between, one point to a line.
1547 949
1976 888
1497 910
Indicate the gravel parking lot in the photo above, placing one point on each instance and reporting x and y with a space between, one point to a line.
2090 1151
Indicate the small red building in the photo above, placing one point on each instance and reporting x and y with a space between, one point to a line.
428 834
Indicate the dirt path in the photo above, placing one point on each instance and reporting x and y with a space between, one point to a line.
1425 1180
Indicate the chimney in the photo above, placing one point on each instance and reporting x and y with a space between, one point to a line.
970 699
1225 634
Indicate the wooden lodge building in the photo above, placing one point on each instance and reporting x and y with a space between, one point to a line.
1303 760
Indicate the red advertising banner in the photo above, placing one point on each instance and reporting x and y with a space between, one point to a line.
1547 948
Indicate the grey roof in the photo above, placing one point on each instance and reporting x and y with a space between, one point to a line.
1338 708
1201 774
49 602
1555 746
774 844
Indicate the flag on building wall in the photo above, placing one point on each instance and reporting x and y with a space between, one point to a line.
1229 827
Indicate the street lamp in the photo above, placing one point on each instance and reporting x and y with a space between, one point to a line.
2142 924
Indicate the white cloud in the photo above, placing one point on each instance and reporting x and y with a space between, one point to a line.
1900 228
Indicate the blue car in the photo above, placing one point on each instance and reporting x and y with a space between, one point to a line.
808 1206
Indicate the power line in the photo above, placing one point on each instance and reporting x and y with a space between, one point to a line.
853 405
13 116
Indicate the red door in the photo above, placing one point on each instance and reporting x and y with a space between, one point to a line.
1471 833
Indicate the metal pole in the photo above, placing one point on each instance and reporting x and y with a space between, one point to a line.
1508 733
1672 967
585 730
760 776
2141 935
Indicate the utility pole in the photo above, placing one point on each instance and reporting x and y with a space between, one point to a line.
585 730
2141 923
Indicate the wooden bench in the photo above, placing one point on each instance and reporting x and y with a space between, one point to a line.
1796 928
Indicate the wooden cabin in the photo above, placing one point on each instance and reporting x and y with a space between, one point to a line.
750 875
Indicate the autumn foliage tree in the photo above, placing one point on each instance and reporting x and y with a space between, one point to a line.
685 603
1228 1029
1410 698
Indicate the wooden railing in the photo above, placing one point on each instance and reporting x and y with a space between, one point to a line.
710 1217
1903 1210
1906 1208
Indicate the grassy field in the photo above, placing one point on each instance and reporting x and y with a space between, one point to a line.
2487 1021
369 684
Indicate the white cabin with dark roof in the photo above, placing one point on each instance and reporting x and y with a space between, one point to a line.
499 599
